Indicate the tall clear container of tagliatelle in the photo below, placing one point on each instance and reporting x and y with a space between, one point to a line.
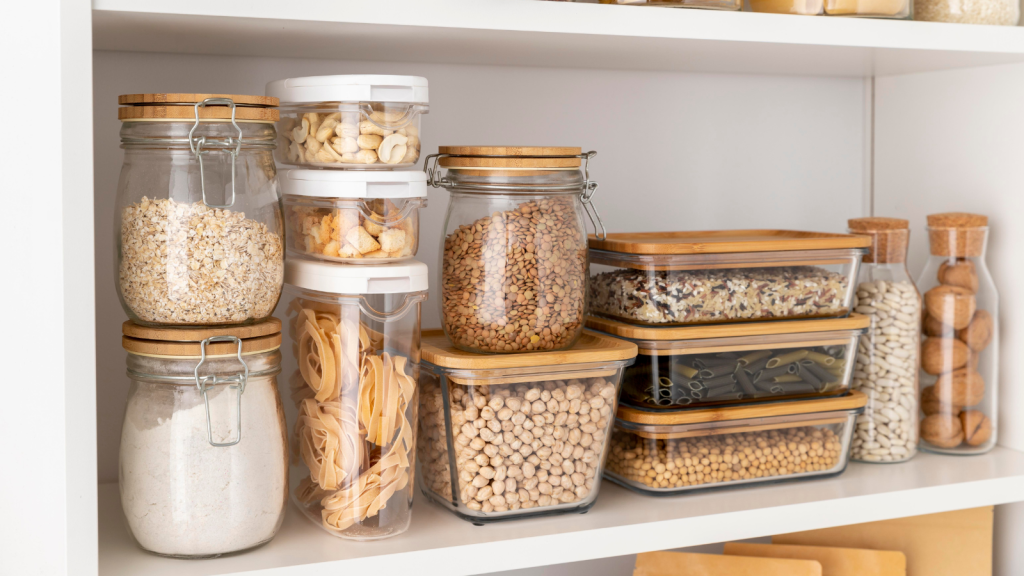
888 353
960 352
355 334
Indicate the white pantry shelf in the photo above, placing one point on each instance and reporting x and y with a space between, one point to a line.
550 34
621 523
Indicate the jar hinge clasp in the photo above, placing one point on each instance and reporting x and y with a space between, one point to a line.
586 197
235 382
196 145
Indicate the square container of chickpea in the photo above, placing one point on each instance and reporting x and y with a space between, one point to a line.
515 435
665 453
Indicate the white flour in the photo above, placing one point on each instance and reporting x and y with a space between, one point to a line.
183 497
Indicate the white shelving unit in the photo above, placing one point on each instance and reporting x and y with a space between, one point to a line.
704 120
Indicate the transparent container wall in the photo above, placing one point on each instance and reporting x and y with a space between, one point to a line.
353 231
180 495
665 460
710 4
960 350
735 370
183 261
498 445
353 135
896 9
678 290
513 271
888 354
355 389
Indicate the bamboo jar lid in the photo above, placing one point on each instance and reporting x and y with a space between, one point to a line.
957 234
889 238
187 342
140 107
516 157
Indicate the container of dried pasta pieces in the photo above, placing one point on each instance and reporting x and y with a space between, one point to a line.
687 278
728 363
511 436
352 367
360 121
353 217
666 453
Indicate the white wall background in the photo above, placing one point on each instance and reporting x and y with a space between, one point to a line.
952 141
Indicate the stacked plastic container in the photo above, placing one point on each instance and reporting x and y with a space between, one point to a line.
347 151
747 344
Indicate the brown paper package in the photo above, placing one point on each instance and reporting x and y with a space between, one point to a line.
946 544
834 561
686 564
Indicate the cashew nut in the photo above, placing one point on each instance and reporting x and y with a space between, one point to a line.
335 156
411 155
347 130
409 130
295 152
349 158
367 127
345 145
369 141
314 121
390 147
387 116
300 132
366 157
313 145
326 129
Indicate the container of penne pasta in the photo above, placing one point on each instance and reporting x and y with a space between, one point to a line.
666 453
729 363
688 278
509 436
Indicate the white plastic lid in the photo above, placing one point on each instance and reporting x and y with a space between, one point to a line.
356 280
354 183
350 88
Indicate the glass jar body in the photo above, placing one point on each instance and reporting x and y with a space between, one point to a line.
513 264
182 496
354 371
993 12
195 246
887 363
353 231
960 350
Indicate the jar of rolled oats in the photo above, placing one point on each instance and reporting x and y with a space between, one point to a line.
200 232
514 255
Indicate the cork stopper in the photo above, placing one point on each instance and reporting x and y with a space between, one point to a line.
889 238
957 234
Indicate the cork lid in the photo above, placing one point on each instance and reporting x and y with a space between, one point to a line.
890 238
957 220
853 400
876 224
491 157
724 242
139 107
623 330
591 347
186 342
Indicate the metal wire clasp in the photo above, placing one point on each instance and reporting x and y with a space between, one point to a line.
235 382
235 145
586 197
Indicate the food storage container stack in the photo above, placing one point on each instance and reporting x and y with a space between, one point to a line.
200 266
347 148
517 399
723 392
960 352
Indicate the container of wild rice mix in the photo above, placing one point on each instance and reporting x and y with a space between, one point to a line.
688 278
514 257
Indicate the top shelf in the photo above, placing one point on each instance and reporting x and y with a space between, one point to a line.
551 34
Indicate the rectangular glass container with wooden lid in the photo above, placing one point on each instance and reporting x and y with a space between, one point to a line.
686 278
515 435
667 453
729 363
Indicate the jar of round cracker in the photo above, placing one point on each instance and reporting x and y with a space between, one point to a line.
199 233
960 350
514 255
355 341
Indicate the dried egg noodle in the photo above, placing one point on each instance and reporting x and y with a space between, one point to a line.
336 438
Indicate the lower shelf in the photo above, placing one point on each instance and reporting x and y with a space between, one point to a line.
620 523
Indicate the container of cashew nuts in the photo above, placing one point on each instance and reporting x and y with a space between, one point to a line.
728 364
664 453
513 436
353 217
514 255
352 371
960 350
364 121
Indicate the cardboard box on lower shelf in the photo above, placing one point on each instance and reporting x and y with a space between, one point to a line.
686 564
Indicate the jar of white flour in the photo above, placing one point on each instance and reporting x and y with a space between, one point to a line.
203 459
